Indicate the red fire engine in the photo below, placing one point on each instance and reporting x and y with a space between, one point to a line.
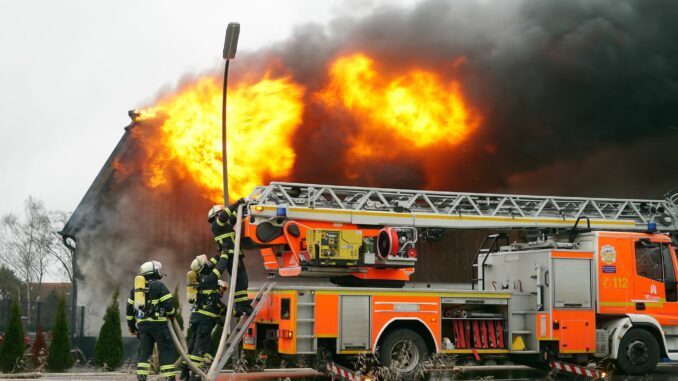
598 282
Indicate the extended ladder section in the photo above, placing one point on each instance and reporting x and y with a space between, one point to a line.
399 207
239 330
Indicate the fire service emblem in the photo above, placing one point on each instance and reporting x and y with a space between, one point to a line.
608 254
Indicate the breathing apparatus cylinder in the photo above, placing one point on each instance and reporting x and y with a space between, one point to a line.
139 292
191 286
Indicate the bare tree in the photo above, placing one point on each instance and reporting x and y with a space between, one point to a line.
56 248
26 245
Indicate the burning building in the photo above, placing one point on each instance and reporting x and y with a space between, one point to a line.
521 97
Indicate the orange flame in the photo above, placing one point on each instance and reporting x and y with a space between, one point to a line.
408 113
262 118
418 106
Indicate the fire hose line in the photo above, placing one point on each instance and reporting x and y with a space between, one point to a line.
182 352
218 361
182 339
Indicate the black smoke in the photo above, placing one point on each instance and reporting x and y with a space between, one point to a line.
558 84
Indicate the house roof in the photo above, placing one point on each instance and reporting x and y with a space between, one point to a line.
78 219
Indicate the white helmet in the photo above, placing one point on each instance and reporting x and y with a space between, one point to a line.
198 263
150 267
222 284
213 212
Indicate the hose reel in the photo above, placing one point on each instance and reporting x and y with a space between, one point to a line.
398 243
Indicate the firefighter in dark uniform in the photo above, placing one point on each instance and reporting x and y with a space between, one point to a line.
223 221
150 323
206 312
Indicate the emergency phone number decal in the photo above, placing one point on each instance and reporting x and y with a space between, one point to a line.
616 282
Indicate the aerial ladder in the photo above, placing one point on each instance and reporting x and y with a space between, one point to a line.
369 234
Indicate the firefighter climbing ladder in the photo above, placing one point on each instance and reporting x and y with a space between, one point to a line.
398 207
229 338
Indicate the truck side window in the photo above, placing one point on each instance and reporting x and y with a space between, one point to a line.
285 309
649 261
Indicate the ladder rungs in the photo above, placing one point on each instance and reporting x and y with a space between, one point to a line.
483 210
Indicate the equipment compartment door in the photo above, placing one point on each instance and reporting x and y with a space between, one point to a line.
577 335
355 323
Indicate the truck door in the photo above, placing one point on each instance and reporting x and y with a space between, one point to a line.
655 291
668 316
616 272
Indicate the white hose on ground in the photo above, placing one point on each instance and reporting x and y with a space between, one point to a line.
212 374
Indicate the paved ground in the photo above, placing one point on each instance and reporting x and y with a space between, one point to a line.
664 372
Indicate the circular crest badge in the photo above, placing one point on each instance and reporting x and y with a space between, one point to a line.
608 254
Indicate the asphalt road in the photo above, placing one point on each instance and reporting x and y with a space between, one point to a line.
664 372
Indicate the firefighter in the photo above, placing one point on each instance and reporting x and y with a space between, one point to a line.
223 220
207 310
149 323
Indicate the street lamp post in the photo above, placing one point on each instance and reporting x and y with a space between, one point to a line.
230 47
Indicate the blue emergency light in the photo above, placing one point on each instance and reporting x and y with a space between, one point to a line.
281 211
652 227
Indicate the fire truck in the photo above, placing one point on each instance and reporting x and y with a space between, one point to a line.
598 282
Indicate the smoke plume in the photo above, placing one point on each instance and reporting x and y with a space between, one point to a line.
573 98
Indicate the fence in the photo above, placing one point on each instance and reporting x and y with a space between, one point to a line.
43 313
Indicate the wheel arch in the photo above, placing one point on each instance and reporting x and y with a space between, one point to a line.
414 324
652 329
651 325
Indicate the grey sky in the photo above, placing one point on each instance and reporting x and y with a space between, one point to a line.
70 70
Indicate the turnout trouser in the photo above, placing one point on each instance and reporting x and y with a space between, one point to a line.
200 341
151 333
241 284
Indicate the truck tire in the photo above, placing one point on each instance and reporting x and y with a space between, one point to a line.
638 352
403 350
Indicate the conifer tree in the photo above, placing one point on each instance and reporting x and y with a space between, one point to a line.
108 351
12 351
60 357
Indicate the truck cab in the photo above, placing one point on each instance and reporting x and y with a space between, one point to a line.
602 295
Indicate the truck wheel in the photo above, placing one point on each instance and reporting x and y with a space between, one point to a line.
403 350
638 352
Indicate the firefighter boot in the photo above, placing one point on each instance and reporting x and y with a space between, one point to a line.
185 373
243 308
